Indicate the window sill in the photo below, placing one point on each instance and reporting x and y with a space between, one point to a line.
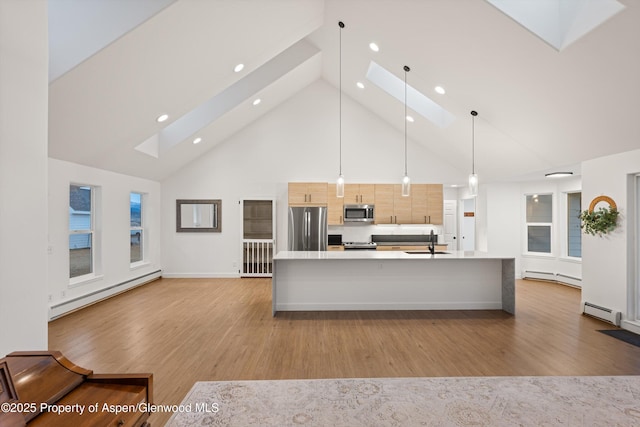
571 259
86 279
538 255
138 265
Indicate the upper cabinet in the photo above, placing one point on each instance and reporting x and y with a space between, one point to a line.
426 204
359 194
335 207
435 204
308 194
390 206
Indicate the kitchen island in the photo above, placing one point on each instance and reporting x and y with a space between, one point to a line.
392 280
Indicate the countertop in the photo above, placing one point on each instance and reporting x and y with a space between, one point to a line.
380 255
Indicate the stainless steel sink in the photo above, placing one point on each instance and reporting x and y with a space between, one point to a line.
426 252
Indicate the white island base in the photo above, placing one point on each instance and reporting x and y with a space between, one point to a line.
387 280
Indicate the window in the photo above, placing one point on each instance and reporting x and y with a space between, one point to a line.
574 232
539 221
81 231
137 227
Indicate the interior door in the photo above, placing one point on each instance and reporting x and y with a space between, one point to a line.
468 229
451 224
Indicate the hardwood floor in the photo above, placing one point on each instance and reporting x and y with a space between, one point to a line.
188 330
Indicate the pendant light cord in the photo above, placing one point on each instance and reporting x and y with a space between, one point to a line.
473 141
406 69
341 25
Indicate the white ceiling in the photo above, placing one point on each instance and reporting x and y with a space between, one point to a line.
540 109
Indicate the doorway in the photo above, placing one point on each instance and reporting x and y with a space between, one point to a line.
258 242
468 225
451 224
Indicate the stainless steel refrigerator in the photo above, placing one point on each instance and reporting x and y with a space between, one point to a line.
307 229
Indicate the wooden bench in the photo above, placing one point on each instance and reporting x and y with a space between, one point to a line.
46 389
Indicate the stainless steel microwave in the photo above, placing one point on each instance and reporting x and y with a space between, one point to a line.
358 213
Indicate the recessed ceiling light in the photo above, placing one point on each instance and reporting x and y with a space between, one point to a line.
558 174
374 47
410 119
197 140
440 90
360 85
257 101
238 68
162 118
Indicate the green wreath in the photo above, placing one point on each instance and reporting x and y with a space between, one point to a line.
601 221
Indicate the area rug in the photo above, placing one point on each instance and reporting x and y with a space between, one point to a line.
624 335
454 401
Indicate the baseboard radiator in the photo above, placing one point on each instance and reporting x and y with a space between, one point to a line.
68 306
602 313
553 277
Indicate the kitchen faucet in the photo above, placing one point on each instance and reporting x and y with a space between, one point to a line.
432 247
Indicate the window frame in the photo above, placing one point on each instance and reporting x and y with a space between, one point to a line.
91 231
143 231
550 225
567 236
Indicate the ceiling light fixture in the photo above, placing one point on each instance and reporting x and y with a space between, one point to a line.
406 181
257 101
558 174
440 90
162 118
473 178
340 180
238 68
410 119
360 85
198 140
374 47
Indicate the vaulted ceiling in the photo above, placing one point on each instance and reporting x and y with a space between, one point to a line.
540 109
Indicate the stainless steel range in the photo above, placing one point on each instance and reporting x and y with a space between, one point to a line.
360 246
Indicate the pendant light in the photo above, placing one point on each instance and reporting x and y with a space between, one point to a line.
406 181
340 181
473 178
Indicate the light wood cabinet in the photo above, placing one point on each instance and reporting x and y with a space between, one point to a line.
401 206
359 194
391 206
384 203
307 194
335 207
435 204
335 248
426 204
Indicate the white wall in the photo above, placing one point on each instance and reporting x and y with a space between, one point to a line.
23 175
298 141
113 232
501 223
608 264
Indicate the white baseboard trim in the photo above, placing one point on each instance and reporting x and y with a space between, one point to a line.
338 306
70 305
201 275
631 326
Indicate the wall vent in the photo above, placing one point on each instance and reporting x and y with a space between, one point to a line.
602 313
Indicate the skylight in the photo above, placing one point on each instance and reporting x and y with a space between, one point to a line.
416 100
559 22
